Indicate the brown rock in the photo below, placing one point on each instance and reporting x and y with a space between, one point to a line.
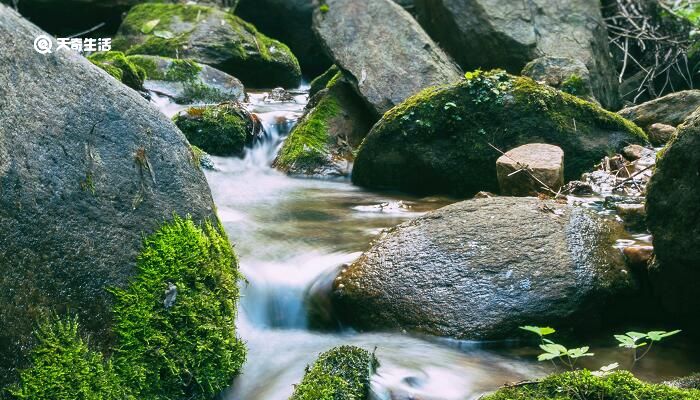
633 152
544 162
638 256
660 134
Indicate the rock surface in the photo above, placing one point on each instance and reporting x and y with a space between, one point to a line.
439 141
86 169
671 109
382 49
480 268
660 134
569 75
539 164
496 34
209 36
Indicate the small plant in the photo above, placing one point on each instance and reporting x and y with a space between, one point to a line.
324 8
637 340
554 351
486 87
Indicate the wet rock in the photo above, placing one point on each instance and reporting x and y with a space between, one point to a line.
225 129
496 34
279 95
634 152
637 256
688 382
87 167
382 49
439 141
634 215
208 36
531 169
321 81
578 188
673 217
660 134
480 268
671 109
569 75
188 82
324 141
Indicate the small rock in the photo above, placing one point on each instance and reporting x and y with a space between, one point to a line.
660 134
638 256
170 295
633 152
566 74
634 215
279 95
578 188
688 382
544 162
484 195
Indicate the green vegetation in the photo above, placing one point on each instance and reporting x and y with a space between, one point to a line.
182 347
222 130
342 373
122 69
575 85
321 82
176 70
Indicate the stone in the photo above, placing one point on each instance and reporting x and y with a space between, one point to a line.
479 269
660 134
495 34
87 168
569 75
634 152
541 169
638 256
279 95
634 215
671 109
440 140
121 69
687 382
211 36
578 188
382 49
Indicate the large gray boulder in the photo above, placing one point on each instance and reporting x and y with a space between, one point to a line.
480 268
383 49
498 34
87 167
671 109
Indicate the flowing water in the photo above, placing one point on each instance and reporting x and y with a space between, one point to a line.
292 235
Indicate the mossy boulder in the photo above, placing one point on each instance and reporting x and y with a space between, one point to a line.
340 373
122 69
209 36
221 130
324 141
321 81
440 140
188 82
583 384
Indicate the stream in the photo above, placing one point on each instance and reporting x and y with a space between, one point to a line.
292 236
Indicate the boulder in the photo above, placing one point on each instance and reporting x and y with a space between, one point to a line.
291 22
123 70
673 217
320 82
225 129
188 82
479 269
440 140
531 169
671 109
382 49
323 143
494 34
638 256
660 134
569 75
208 36
87 168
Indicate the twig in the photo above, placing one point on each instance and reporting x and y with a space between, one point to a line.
636 174
94 28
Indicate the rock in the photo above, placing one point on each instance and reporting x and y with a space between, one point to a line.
671 109
221 130
634 215
660 134
569 75
291 22
638 256
87 167
538 164
439 141
382 49
279 95
634 152
688 382
479 269
324 141
123 70
188 82
208 36
493 34
578 188
673 217
321 81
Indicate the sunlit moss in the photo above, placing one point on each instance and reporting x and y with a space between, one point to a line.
117 65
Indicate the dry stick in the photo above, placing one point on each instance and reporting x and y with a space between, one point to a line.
94 28
636 174
526 168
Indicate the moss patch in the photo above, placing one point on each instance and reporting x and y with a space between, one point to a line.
176 71
582 385
340 373
122 69
221 130
438 141
321 82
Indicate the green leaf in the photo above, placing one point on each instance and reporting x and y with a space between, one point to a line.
580 352
546 357
149 26
657 336
625 341
636 335
538 330
554 348
164 34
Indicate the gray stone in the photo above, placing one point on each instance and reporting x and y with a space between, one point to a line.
87 167
569 75
383 50
479 269
671 109
634 152
497 34
660 134
538 165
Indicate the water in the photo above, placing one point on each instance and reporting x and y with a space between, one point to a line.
292 235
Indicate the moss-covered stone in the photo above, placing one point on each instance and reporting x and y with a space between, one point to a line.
321 81
583 385
122 69
209 36
439 141
221 130
342 373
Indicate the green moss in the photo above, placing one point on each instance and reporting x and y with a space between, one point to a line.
340 373
582 385
176 70
117 65
321 82
575 85
223 130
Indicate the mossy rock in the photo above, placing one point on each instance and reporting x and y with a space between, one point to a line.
188 82
440 140
122 69
583 384
209 36
321 81
342 373
173 327
324 141
221 130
